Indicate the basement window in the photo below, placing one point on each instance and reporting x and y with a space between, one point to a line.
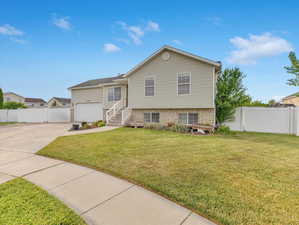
188 118
151 117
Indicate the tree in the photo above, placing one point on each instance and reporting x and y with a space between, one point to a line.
1 98
272 102
293 69
13 105
231 93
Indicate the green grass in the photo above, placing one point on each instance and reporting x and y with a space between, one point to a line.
23 203
6 123
241 179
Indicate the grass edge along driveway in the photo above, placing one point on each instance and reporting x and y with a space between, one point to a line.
242 179
22 202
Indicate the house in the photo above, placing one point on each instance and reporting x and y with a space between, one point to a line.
12 97
35 103
171 85
56 102
291 99
29 102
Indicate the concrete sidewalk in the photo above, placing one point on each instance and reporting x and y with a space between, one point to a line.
99 198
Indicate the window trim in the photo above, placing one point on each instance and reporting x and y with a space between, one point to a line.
154 78
151 117
177 83
113 93
188 124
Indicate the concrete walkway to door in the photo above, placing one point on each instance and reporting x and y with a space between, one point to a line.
99 198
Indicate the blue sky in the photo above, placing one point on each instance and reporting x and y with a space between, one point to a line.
47 46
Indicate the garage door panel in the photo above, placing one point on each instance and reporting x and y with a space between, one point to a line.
89 112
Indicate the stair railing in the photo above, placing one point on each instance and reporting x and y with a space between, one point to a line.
113 110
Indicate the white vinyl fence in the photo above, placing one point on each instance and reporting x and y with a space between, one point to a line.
266 119
36 115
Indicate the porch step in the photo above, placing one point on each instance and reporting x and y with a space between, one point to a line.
115 120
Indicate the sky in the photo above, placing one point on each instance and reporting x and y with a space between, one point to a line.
48 46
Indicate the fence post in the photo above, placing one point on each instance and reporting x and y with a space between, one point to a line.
243 123
296 121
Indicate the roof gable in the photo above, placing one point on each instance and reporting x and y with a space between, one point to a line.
166 47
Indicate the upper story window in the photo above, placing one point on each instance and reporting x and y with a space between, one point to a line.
114 94
184 83
149 86
188 118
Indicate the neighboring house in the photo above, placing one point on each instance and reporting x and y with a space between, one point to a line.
171 85
29 102
56 102
35 103
13 97
292 99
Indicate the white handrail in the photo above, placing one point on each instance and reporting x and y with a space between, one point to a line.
113 110
125 115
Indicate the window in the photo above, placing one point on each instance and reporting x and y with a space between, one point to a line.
149 86
114 94
184 83
151 117
188 118
7 99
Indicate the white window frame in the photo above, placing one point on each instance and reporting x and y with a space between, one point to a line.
177 83
151 117
113 94
150 77
188 117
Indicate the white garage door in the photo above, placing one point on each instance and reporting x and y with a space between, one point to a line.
88 112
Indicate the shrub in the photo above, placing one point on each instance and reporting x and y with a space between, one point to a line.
224 130
13 105
170 127
85 126
101 123
154 126
170 124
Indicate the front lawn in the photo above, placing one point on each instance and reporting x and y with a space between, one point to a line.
6 123
23 203
247 178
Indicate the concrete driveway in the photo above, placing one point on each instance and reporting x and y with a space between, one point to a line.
99 198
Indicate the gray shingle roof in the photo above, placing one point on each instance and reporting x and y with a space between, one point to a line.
96 82
36 100
63 100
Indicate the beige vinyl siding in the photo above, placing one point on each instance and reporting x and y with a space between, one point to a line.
165 73
87 95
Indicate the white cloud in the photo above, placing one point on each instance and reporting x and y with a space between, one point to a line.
10 30
215 20
257 46
152 26
111 48
136 33
177 42
62 22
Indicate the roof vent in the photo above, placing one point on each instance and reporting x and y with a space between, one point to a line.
165 56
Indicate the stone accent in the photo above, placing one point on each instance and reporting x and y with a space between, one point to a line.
205 116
